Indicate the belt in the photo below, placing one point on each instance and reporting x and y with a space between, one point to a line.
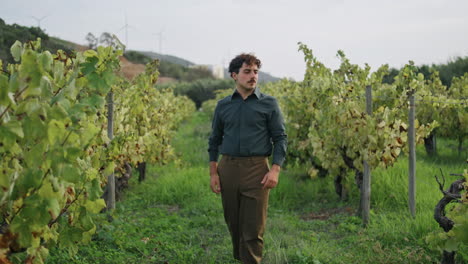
229 157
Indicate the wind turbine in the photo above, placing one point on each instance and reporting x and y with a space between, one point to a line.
160 38
126 26
38 20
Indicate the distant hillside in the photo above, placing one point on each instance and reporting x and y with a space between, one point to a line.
11 33
170 66
264 77
168 58
69 44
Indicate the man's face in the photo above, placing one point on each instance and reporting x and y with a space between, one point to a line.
247 77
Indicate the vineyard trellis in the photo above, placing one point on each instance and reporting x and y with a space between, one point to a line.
411 104
331 131
59 145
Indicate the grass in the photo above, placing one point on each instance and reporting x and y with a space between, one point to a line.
174 218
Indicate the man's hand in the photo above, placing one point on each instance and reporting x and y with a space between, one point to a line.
214 184
214 177
271 178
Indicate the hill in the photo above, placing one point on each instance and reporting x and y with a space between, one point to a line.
168 58
11 33
263 76
172 68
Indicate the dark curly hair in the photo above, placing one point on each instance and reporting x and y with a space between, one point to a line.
237 62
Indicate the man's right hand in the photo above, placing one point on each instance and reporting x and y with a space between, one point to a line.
214 183
214 177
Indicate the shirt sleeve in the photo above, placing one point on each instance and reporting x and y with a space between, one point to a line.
216 137
278 134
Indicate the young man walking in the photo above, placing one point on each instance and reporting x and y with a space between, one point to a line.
247 128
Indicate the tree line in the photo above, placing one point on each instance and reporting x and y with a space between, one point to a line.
454 67
10 33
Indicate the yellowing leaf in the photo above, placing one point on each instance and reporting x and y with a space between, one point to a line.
95 206
90 53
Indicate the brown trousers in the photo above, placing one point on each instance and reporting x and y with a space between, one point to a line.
245 204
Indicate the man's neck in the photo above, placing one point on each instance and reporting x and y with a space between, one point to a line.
244 93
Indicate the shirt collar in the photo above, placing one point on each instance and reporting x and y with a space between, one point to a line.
256 93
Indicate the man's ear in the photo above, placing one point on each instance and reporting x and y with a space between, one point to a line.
234 76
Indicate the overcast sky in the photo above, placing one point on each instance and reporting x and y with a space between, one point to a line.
213 31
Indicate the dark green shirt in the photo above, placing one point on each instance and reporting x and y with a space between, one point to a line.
250 127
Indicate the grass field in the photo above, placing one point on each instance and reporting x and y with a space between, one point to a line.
174 218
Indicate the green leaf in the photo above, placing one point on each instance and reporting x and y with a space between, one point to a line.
103 52
34 129
15 128
15 149
65 104
57 112
35 211
30 71
16 50
29 179
45 87
14 82
109 169
68 239
28 106
56 159
71 90
94 101
90 65
45 60
22 228
55 131
94 189
77 112
85 220
39 253
71 174
95 206
4 180
53 207
98 83
87 236
33 90
7 138
109 78
451 244
4 98
72 153
58 72
89 133
51 189
35 156
90 54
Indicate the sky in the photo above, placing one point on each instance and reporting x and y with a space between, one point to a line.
214 31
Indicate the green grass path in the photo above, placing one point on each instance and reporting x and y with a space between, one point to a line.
174 218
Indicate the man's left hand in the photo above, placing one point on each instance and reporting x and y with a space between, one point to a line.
271 178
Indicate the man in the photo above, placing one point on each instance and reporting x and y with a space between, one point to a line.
247 128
